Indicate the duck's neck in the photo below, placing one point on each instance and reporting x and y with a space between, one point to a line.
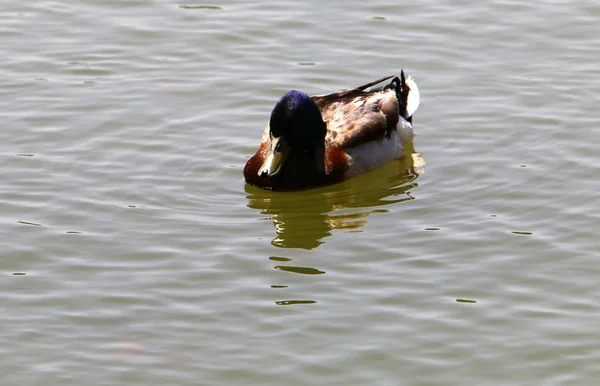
305 168
314 159
320 159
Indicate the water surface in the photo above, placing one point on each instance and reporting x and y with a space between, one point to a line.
133 253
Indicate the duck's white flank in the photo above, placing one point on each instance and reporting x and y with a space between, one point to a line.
376 154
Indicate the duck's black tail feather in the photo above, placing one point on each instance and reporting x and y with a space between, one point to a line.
406 91
403 93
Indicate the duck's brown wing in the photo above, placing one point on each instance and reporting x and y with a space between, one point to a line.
356 116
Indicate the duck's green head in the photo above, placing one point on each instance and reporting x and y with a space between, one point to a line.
296 125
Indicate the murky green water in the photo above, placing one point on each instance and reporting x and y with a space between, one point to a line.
132 253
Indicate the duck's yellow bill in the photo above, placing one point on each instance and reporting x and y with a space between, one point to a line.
278 152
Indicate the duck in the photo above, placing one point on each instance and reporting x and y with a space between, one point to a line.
312 141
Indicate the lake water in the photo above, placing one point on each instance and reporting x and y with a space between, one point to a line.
134 254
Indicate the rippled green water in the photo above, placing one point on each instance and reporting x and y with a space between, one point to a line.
133 253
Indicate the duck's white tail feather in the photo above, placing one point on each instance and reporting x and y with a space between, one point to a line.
414 99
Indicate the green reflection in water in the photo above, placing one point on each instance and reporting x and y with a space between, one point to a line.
302 270
29 223
292 302
522 233
214 7
303 219
277 258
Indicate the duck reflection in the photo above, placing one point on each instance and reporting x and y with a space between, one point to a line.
297 270
303 219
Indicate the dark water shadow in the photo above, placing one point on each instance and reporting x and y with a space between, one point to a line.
304 219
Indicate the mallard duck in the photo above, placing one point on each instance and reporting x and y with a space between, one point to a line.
325 139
